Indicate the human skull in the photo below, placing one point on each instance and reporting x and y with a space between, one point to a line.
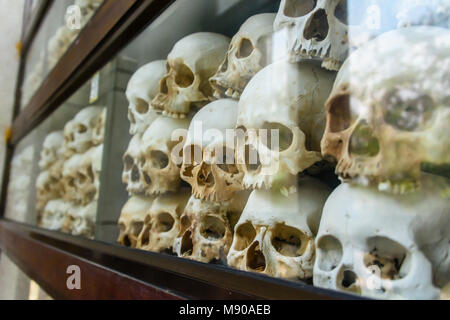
84 220
159 166
70 177
59 43
162 223
206 231
283 101
190 64
47 188
54 215
79 132
250 51
88 8
132 174
52 150
98 136
315 29
87 181
131 221
208 157
275 234
141 90
383 245
389 109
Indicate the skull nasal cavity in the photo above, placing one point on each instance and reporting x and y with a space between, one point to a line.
349 281
186 244
164 222
245 234
212 228
245 49
298 8
252 159
255 258
288 241
184 77
339 114
317 27
135 174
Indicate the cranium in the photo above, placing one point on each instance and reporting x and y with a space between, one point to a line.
190 64
54 215
206 231
315 29
47 188
162 223
250 51
98 135
142 89
70 179
79 132
84 220
131 221
281 113
389 109
52 150
158 165
275 234
132 174
88 8
208 158
383 245
87 180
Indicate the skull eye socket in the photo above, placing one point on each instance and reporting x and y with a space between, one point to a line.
289 241
317 27
276 137
245 49
244 236
255 258
252 160
212 229
408 109
164 222
339 114
363 142
386 258
329 253
159 159
82 129
299 8
341 12
184 76
141 106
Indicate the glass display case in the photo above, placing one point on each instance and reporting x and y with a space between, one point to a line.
301 140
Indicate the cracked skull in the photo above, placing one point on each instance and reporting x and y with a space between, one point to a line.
389 109
315 29
209 155
141 90
280 123
131 221
190 64
162 223
275 234
385 246
52 150
206 231
250 51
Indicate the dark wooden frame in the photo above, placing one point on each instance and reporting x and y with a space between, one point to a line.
110 271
